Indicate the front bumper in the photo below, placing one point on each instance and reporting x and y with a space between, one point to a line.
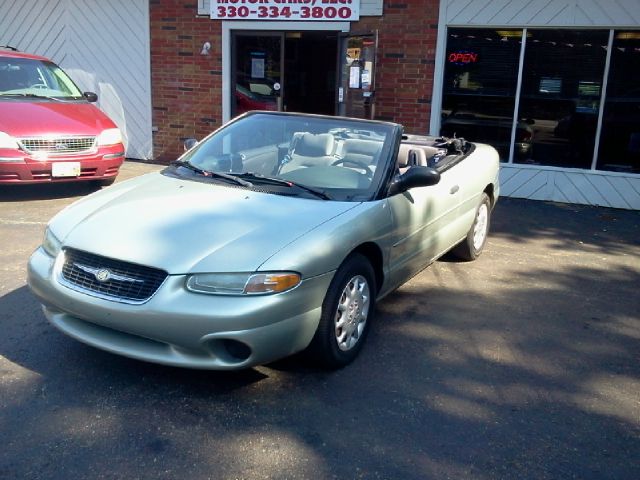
180 328
20 168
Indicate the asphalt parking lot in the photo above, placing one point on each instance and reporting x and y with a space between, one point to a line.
522 364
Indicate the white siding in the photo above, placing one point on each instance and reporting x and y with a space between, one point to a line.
368 8
530 13
103 46
606 189
203 7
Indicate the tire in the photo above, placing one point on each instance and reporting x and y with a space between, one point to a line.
471 247
340 336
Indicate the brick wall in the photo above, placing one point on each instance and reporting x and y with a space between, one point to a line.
407 34
187 86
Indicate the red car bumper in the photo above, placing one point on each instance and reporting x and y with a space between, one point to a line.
16 167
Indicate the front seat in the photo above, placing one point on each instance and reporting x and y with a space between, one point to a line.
361 151
310 150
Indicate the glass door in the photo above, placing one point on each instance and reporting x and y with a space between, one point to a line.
257 62
357 76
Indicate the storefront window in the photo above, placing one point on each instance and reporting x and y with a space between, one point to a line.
481 75
560 97
620 139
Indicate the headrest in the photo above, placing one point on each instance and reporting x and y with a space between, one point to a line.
409 155
315 145
362 147
403 155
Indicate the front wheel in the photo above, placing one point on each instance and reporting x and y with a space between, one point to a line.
346 314
471 247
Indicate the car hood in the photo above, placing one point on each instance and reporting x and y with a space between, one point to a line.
183 226
21 118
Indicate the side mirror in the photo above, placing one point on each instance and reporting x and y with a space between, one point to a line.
189 143
91 97
416 176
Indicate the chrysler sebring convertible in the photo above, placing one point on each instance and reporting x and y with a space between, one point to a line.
277 233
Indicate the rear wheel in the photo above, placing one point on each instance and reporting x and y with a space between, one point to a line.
471 247
346 314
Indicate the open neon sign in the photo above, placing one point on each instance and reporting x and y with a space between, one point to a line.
462 58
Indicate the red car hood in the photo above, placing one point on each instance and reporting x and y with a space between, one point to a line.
21 119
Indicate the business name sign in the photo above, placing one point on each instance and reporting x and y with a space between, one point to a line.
297 10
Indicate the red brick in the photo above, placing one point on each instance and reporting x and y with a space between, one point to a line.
405 63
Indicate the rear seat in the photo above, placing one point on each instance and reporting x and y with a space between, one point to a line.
412 154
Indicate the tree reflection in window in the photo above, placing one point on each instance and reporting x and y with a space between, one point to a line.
620 138
560 97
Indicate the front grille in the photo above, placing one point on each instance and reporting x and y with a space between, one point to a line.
58 145
121 281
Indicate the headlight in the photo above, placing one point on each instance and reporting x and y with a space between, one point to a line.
51 244
110 136
243 283
7 141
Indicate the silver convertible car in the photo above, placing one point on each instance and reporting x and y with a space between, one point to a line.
275 234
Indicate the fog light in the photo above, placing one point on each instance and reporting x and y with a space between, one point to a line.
229 350
237 349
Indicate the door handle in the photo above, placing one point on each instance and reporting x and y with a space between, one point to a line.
454 189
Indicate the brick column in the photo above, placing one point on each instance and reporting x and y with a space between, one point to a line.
408 33
186 86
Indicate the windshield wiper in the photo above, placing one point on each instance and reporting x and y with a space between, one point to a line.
210 173
31 95
285 183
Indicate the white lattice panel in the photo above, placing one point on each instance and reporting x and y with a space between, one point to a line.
588 188
609 13
103 46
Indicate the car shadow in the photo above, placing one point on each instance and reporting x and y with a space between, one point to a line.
24 323
49 191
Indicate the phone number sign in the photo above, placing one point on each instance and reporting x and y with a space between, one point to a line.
299 10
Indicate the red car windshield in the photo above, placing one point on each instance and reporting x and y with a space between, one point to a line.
28 77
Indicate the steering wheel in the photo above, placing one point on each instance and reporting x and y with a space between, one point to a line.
38 86
356 163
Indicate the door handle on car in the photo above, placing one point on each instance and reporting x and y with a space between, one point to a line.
454 189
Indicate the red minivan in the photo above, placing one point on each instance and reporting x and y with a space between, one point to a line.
49 130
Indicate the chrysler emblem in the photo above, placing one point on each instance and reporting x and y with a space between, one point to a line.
61 146
103 275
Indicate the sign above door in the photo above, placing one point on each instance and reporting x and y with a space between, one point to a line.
294 10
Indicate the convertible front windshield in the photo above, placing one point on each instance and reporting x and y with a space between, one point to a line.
343 158
30 77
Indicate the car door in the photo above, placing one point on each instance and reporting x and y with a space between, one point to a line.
467 179
424 226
